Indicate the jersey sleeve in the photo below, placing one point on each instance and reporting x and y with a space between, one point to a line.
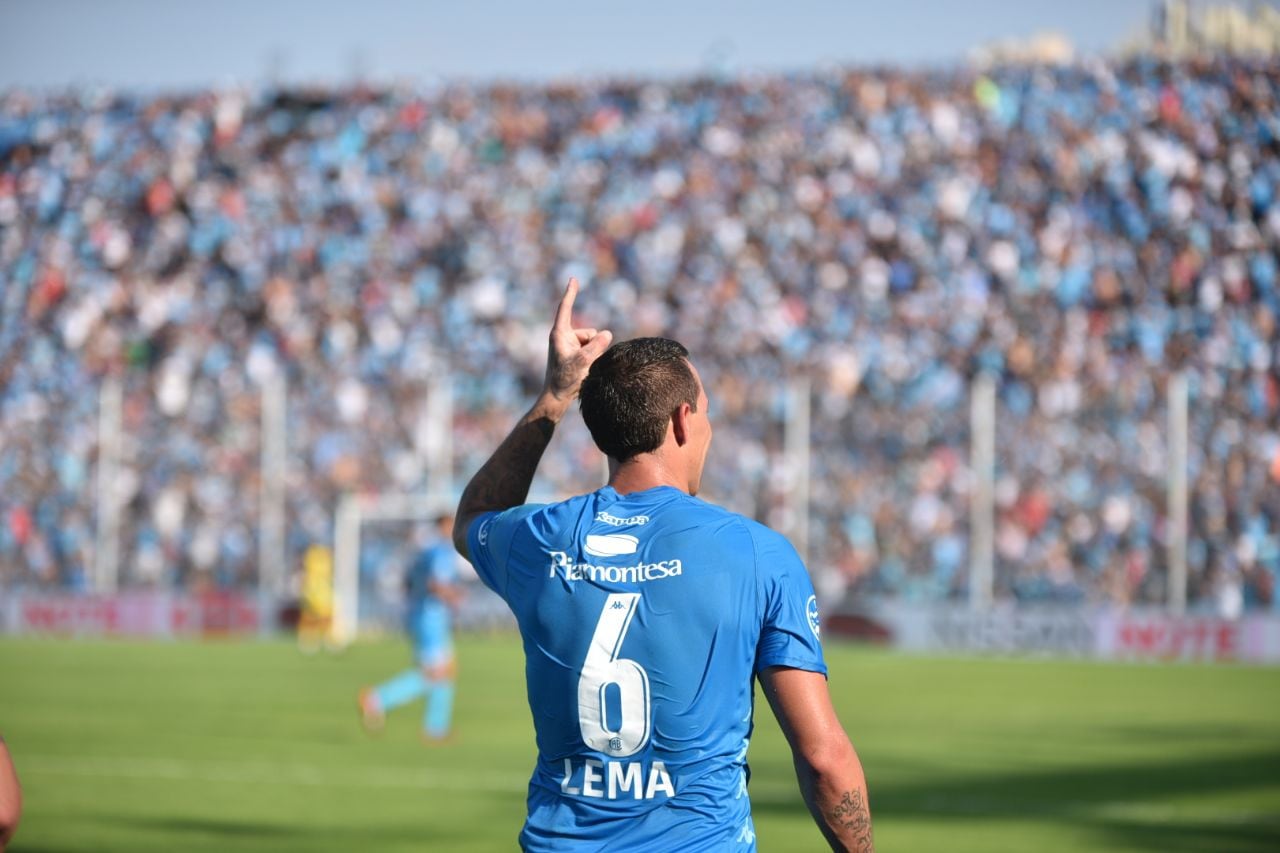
789 633
489 544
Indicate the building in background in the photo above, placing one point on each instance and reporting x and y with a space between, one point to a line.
1180 29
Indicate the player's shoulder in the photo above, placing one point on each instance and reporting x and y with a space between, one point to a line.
509 518
558 512
771 547
538 517
763 539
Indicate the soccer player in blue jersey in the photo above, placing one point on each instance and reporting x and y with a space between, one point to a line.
432 590
646 613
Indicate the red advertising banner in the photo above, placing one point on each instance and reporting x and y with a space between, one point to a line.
145 614
1165 638
1090 632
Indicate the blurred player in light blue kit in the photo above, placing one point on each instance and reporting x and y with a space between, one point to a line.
432 591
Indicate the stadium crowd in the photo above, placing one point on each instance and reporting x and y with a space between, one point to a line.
1078 233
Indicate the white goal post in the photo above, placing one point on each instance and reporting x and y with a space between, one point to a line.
352 512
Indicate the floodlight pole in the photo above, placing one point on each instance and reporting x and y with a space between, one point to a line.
982 492
440 434
346 570
797 440
106 569
272 550
1177 497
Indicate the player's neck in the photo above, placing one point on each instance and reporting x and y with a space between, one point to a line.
643 472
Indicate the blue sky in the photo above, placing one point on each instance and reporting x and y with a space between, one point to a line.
178 44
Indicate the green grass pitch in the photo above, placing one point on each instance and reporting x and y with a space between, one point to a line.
246 745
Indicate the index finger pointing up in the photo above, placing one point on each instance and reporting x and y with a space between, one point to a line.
564 313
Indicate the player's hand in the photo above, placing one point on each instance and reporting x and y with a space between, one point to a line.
571 351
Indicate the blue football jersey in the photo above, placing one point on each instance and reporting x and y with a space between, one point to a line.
427 616
438 563
644 618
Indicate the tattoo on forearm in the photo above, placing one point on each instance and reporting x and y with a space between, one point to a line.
504 480
851 817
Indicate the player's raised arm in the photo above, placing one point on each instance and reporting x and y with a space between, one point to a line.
830 774
504 480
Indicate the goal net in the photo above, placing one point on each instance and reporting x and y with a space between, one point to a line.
377 536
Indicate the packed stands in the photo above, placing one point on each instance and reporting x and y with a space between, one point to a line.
1080 232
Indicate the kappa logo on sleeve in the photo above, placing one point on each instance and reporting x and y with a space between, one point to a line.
811 611
610 544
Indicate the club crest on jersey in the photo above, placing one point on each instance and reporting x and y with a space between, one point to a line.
811 611
610 544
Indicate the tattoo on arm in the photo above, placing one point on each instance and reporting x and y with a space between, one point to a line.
852 819
504 480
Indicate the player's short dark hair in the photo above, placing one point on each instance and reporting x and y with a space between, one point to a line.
632 391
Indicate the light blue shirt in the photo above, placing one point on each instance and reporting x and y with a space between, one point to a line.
427 616
644 618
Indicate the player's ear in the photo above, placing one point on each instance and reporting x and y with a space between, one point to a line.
680 423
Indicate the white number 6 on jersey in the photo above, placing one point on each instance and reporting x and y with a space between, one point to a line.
602 668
